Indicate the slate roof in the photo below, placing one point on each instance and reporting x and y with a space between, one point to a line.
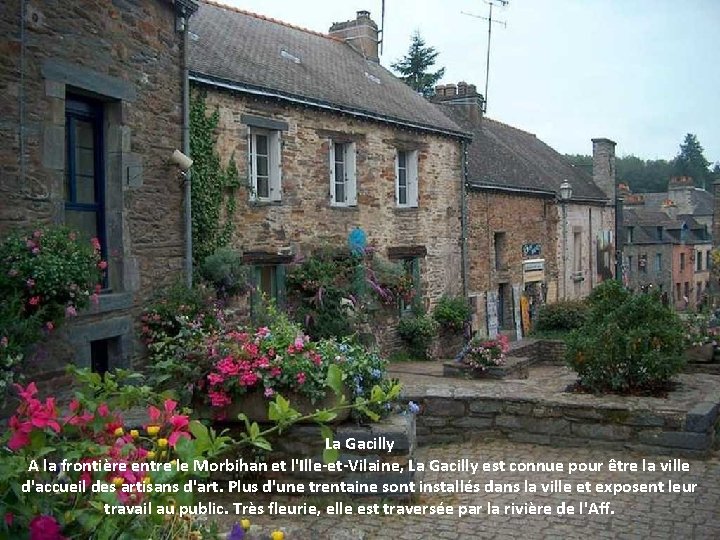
700 200
503 156
645 222
252 53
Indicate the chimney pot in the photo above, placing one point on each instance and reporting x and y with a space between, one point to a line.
451 90
471 89
462 88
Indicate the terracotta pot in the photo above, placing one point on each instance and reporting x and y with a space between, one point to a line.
700 353
255 406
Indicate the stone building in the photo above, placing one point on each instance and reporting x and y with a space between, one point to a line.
326 142
91 108
523 240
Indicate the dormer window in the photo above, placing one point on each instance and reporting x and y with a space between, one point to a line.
630 235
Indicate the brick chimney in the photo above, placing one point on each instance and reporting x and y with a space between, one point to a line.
604 166
461 96
361 34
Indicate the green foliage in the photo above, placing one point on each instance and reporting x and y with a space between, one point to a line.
227 273
175 328
561 316
41 437
45 275
418 332
414 67
629 343
452 313
213 186
691 161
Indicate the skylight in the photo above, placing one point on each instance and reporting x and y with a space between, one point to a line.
372 77
287 56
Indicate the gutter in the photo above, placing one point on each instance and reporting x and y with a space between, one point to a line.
320 104
510 189
183 11
463 219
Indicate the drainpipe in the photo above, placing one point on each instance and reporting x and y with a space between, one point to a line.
183 20
463 220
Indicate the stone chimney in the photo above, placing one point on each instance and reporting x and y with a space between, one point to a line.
462 96
680 190
604 166
361 34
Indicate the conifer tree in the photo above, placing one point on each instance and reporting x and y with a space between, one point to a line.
691 162
414 68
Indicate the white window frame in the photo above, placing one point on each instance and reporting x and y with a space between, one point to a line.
411 178
274 146
349 181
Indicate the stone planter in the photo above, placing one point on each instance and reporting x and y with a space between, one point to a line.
255 406
700 353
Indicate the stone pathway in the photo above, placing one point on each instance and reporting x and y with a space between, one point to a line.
657 515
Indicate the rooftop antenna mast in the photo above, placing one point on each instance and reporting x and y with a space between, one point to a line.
489 19
381 42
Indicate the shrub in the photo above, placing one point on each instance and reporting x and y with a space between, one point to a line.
225 270
482 353
561 316
452 313
418 332
45 276
629 343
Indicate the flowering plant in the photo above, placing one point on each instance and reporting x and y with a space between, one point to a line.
45 276
484 353
698 330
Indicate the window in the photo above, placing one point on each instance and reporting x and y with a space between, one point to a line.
343 190
84 170
677 292
499 244
698 261
682 261
629 235
642 263
264 164
629 264
412 269
659 233
707 260
577 251
658 262
406 178
686 290
698 291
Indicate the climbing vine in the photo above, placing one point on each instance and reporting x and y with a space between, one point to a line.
213 186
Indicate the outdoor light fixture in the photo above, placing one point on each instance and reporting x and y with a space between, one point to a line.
565 195
565 190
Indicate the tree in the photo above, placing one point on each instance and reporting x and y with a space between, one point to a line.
413 68
691 162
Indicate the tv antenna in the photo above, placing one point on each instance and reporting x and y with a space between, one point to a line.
490 20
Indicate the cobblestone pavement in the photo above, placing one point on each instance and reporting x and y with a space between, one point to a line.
636 515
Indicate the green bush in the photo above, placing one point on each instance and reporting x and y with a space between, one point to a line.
629 343
225 270
452 313
418 332
561 316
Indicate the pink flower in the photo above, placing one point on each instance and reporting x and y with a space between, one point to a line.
37 234
95 243
95 298
30 244
34 301
4 342
269 392
219 399
103 410
215 379
299 343
45 528
300 377
263 332
9 518
35 250
102 265
275 372
50 326
70 311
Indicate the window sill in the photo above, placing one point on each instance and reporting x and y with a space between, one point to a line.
110 302
344 208
405 209
261 204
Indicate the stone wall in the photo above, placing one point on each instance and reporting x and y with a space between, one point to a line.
127 56
459 419
304 219
524 219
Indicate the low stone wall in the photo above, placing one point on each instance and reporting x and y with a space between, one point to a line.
444 419
549 351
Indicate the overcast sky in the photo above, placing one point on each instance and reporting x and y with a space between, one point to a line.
641 72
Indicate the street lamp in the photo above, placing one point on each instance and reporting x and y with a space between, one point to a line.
565 196
618 232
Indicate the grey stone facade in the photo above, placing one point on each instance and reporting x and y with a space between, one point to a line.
126 58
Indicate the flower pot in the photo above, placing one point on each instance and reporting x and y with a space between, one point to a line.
255 406
700 353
